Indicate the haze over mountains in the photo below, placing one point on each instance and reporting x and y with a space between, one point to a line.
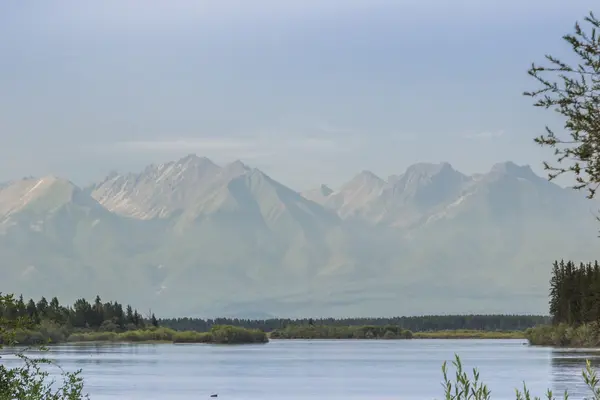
191 238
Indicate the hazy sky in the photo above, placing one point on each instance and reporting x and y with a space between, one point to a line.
309 91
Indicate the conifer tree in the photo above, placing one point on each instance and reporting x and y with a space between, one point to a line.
129 315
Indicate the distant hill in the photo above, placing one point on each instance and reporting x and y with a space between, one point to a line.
193 238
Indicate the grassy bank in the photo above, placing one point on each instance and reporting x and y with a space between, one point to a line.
384 332
340 332
225 334
217 335
563 335
469 334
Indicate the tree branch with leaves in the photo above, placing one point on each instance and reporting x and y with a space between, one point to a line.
573 91
31 380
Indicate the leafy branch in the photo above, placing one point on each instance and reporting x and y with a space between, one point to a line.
573 91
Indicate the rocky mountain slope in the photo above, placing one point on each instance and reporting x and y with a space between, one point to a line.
193 238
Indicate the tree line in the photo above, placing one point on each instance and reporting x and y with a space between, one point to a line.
414 324
341 332
107 316
575 293
114 317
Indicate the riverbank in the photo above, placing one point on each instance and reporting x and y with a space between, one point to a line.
217 335
563 335
389 332
340 332
53 334
469 334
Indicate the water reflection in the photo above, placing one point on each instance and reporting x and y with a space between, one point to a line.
567 367
81 355
300 370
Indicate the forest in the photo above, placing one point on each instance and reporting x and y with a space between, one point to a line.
427 323
108 316
575 293
574 303
113 321
51 322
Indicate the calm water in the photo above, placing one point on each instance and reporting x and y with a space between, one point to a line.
317 369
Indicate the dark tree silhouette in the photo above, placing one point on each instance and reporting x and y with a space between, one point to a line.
575 293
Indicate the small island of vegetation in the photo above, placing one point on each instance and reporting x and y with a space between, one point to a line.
53 323
312 331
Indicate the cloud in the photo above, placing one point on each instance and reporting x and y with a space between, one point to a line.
485 135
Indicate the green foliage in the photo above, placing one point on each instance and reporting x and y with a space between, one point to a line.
227 334
574 92
574 307
575 293
426 323
470 388
104 322
469 334
218 335
30 380
108 316
463 388
341 332
563 335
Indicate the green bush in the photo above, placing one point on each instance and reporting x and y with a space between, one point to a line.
341 332
227 334
218 335
562 335
192 337
29 381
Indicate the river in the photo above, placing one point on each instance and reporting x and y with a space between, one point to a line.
303 369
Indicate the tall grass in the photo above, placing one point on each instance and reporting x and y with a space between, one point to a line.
464 387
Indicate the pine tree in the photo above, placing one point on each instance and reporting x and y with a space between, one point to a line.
129 315
42 307
98 313
32 312
555 287
136 318
21 307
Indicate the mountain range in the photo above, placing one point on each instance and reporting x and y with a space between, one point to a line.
191 238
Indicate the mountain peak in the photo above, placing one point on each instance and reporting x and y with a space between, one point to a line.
47 193
193 161
368 174
429 169
509 168
365 181
159 190
319 194
366 177
237 165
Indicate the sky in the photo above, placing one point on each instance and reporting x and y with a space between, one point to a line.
309 91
